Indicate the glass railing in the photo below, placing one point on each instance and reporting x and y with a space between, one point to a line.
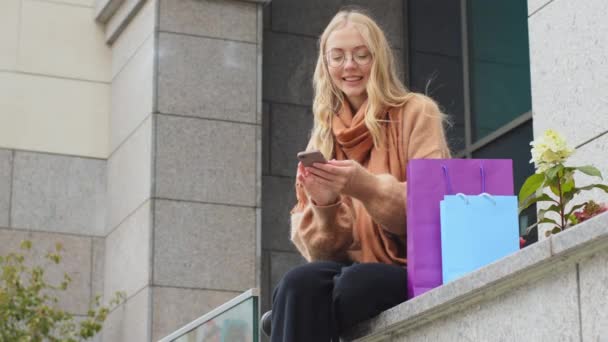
234 321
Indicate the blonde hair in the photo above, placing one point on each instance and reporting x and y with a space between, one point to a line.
384 89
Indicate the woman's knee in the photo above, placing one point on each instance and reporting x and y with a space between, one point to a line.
309 278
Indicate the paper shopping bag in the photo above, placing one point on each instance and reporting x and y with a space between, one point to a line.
428 181
476 231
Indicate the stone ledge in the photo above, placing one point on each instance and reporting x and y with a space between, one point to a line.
533 262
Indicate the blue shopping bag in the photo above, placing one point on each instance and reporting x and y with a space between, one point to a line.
475 231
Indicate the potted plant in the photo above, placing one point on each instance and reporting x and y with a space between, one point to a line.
553 185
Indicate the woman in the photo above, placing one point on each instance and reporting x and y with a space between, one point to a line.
349 222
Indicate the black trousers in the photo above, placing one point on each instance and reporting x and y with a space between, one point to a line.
316 302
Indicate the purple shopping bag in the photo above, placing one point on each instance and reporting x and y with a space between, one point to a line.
428 181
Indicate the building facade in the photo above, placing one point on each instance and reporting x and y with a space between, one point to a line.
156 139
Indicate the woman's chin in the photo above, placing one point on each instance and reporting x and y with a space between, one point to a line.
353 92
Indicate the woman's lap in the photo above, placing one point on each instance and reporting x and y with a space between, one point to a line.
355 292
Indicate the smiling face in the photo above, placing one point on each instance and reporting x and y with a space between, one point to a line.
351 76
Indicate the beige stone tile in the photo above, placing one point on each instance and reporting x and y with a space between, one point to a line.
87 3
61 40
127 258
9 33
568 68
130 40
129 175
594 297
551 315
54 115
132 93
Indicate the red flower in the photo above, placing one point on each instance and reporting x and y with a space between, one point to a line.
591 209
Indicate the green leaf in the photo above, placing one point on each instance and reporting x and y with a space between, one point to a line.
589 170
26 244
568 185
589 187
554 208
552 172
578 206
531 185
555 230
548 220
533 199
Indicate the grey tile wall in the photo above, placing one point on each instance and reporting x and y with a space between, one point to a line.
288 67
207 78
130 322
174 307
303 17
266 140
235 20
266 289
59 193
6 166
204 246
311 17
389 16
594 297
278 197
76 262
205 160
289 134
97 271
281 263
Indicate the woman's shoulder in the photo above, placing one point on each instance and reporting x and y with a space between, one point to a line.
419 103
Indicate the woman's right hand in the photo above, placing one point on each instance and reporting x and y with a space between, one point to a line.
318 192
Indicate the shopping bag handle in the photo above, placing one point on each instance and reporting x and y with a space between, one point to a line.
484 195
448 182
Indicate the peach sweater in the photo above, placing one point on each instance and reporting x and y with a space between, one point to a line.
370 226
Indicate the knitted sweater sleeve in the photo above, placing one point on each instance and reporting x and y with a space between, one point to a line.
422 137
326 232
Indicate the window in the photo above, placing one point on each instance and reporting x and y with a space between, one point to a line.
472 57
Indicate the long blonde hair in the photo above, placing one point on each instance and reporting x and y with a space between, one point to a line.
384 89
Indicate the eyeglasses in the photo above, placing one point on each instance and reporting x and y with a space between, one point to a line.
336 59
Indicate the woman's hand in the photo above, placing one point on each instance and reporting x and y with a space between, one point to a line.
342 177
315 187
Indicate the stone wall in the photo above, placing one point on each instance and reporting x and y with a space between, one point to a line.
568 57
553 290
54 106
183 176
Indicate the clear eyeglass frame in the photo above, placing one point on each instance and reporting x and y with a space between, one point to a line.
357 57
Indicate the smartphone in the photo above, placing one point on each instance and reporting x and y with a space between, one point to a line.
309 157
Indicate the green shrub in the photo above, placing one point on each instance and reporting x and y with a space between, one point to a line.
28 304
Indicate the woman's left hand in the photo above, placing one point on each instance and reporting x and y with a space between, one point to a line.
339 175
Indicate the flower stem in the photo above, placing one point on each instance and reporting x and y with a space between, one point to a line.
561 201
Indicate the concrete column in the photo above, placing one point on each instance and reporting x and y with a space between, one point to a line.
184 176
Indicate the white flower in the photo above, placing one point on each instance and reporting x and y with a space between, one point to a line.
548 150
